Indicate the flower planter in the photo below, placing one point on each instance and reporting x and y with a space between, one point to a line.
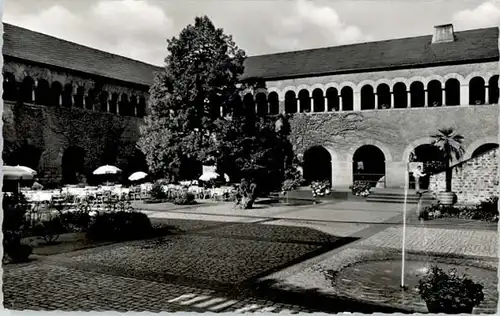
434 308
446 198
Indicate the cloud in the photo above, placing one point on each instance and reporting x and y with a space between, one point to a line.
484 15
126 27
310 25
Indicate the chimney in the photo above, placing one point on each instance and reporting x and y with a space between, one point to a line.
443 34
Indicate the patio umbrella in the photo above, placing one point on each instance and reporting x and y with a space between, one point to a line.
107 169
16 173
27 169
137 176
209 175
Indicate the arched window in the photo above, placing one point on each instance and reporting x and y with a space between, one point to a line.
274 103
103 101
367 98
384 96
290 102
9 87
493 92
347 95
305 101
248 103
236 106
452 92
55 93
141 107
27 90
91 100
42 93
113 103
417 93
332 99
133 105
261 101
67 100
477 91
400 95
80 92
434 93
318 100
124 106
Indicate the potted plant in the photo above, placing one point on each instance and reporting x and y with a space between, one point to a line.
450 144
449 293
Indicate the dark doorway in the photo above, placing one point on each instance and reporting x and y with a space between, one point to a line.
433 162
317 165
73 162
369 165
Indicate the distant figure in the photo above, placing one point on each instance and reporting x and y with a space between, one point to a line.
417 174
361 166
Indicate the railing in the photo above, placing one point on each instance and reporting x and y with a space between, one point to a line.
372 178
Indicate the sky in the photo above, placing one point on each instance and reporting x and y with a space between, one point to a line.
139 29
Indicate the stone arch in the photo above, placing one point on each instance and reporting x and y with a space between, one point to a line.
493 90
417 94
383 96
331 85
261 101
369 164
318 100
367 97
402 80
452 92
103 101
304 101
434 93
249 103
26 91
141 106
414 144
364 83
332 99
291 88
317 86
347 95
303 87
383 81
478 143
124 105
432 159
484 148
273 89
290 102
79 97
9 87
55 93
477 91
113 103
456 76
91 100
350 84
433 78
67 95
42 92
317 164
484 75
73 164
274 103
400 95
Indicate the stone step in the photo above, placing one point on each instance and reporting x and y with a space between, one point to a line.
391 201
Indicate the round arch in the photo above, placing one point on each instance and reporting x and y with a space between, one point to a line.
478 143
317 164
414 144
369 164
484 148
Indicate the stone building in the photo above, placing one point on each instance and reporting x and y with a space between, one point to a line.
69 108
363 111
360 111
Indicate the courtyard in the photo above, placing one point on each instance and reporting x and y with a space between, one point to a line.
265 259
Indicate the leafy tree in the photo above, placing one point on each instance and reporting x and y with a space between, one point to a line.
450 144
200 78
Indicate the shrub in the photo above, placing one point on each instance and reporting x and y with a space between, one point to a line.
157 192
448 292
49 230
120 226
320 188
488 210
76 221
293 179
185 198
14 227
361 188
246 194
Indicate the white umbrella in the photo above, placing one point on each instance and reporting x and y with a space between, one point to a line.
27 169
107 169
209 175
137 176
16 173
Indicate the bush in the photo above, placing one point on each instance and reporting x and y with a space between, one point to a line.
157 192
246 194
185 198
485 211
488 210
320 188
293 179
49 230
448 292
361 188
120 226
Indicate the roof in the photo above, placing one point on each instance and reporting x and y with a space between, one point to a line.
468 47
32 46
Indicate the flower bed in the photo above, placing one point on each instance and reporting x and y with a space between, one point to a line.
320 188
361 188
485 211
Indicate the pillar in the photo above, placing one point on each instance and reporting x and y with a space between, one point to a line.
357 101
376 100
340 103
341 175
84 102
395 174
108 103
33 92
443 97
426 99
325 105
298 105
487 95
60 99
408 99
464 94
281 104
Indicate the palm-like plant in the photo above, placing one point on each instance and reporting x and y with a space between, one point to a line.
450 144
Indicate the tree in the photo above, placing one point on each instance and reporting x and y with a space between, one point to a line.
200 78
450 144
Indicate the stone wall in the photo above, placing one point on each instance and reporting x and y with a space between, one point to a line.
52 130
473 180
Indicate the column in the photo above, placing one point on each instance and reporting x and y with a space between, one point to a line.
33 92
464 94
393 100
395 173
408 99
341 175
376 100
487 95
426 100
325 104
443 93
340 103
281 106
108 103
84 105
311 105
60 99
298 105
357 101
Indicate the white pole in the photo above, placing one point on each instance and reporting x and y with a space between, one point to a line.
404 232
